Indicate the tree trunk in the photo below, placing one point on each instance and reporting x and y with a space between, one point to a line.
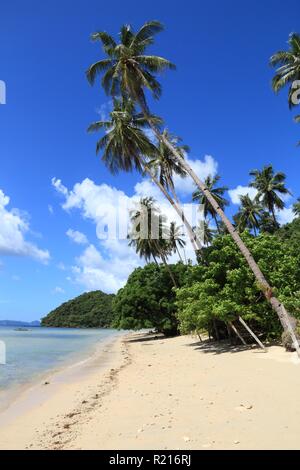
178 252
217 224
252 333
237 333
285 319
274 217
169 270
216 330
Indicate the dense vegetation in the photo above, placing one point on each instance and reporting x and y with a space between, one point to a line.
213 294
222 288
89 310
148 299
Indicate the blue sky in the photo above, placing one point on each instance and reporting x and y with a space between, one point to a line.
219 100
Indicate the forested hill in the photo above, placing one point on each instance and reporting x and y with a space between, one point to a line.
89 310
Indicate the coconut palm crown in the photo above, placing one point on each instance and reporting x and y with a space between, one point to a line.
127 69
288 67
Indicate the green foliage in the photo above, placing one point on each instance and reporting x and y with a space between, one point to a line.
291 233
89 310
148 299
223 287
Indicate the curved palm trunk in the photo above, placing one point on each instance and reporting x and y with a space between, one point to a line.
179 254
217 224
193 238
274 217
162 256
286 321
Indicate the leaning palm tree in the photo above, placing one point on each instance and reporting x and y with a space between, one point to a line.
149 235
127 70
296 208
268 185
218 195
125 146
164 166
249 214
287 64
175 239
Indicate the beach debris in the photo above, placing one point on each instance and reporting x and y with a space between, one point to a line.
186 439
46 383
244 406
236 442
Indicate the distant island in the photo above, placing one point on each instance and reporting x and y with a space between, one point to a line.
89 310
17 323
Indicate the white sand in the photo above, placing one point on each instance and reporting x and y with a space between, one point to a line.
165 394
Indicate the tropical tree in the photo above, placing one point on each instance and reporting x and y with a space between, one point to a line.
287 64
205 232
128 71
164 166
249 214
268 185
150 235
266 222
218 195
296 208
175 239
125 147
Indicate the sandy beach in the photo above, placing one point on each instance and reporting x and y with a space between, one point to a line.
143 392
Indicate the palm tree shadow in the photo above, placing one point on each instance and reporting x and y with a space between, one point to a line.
214 347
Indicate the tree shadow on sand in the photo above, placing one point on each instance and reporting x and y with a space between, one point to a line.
214 347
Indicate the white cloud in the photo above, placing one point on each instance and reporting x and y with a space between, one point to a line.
13 227
109 268
108 274
58 290
50 209
77 237
285 215
202 168
59 186
235 194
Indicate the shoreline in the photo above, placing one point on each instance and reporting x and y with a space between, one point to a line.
14 392
49 386
166 393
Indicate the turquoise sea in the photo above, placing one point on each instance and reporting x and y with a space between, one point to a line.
32 353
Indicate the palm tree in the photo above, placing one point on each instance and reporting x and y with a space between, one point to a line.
164 166
206 233
128 71
175 239
150 234
287 65
266 223
296 208
126 147
249 214
217 193
268 185
124 143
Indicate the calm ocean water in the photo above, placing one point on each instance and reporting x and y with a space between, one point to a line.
34 352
